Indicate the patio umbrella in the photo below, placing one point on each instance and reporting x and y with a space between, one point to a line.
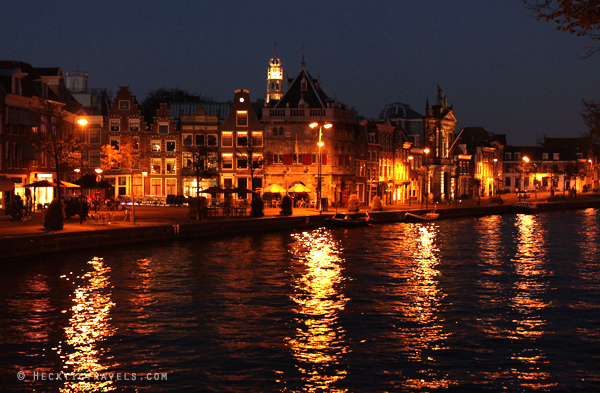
41 183
299 188
242 190
89 181
213 190
274 189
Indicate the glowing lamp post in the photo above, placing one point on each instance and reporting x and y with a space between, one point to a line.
494 182
426 180
144 174
98 178
410 158
320 144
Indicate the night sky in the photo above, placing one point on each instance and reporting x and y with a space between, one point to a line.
500 68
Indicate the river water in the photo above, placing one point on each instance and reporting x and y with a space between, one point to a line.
497 303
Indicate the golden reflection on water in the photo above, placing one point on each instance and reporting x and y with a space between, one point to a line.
89 325
528 300
421 307
319 342
589 244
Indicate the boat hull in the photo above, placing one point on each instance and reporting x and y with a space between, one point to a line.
411 217
347 221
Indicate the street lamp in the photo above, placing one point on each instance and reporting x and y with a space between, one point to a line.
410 158
320 144
495 180
144 174
98 178
426 193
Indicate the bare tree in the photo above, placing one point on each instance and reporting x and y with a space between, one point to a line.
125 156
255 167
204 165
591 117
580 17
56 137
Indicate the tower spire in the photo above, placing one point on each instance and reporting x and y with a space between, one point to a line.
274 78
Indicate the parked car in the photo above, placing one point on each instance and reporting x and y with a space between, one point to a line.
72 205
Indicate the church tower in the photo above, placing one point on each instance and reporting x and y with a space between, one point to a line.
274 79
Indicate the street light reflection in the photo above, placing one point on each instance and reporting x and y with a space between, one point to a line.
88 326
319 344
423 300
528 301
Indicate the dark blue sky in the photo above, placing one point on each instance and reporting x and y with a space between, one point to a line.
500 68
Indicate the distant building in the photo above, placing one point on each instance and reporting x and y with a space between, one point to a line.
486 152
533 168
200 135
291 144
24 92
242 144
274 80
439 138
125 120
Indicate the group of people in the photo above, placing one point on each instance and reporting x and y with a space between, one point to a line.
19 209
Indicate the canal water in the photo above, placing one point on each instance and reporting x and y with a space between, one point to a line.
497 303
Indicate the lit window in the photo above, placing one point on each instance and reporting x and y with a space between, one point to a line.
171 186
242 138
170 164
114 142
186 139
227 160
171 146
163 128
242 118
134 125
155 187
188 161
115 125
227 138
242 162
156 166
257 138
257 160
155 145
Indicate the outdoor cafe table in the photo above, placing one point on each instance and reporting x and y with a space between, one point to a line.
239 211
213 211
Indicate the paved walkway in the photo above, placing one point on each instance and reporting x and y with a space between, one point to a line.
162 215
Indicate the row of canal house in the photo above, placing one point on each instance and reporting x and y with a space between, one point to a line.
402 156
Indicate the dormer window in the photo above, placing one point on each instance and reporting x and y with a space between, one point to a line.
242 118
304 84
17 89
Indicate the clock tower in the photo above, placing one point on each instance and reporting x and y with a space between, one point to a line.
274 79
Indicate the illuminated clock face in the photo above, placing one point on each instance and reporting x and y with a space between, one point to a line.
241 99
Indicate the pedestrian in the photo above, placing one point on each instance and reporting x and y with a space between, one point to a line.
28 203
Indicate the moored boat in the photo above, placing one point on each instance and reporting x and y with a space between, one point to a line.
345 220
526 207
411 217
